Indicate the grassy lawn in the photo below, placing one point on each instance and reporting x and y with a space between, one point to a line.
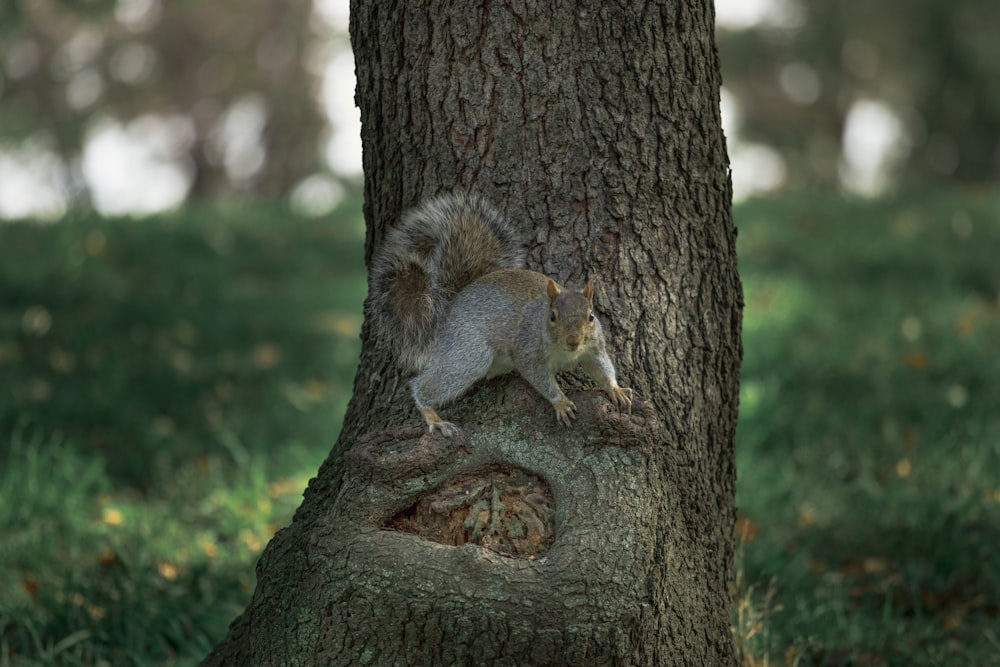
868 447
168 386
167 389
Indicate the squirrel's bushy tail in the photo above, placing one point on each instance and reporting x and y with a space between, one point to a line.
436 250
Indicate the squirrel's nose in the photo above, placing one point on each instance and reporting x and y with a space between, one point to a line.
572 342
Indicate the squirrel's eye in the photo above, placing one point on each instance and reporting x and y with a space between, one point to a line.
590 317
552 316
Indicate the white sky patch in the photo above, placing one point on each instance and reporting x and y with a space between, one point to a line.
139 167
743 14
800 83
317 195
138 15
738 14
756 167
76 53
238 139
29 178
133 62
873 138
730 108
343 149
84 89
334 12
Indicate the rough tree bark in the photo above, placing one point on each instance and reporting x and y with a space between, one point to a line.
596 127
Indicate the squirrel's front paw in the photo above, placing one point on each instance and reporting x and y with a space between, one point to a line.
622 398
565 411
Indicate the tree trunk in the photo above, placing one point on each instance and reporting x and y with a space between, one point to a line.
596 128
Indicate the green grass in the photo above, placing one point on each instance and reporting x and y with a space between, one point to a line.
168 386
868 447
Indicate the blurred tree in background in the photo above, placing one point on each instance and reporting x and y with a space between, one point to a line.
225 96
224 89
923 72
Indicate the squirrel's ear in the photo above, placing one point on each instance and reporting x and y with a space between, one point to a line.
552 289
588 290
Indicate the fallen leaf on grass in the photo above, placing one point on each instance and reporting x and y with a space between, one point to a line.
112 517
342 324
182 362
859 589
167 570
304 396
965 325
852 658
109 558
62 361
185 333
911 328
807 515
915 359
94 243
745 529
316 388
163 426
208 546
951 621
40 390
251 541
957 396
36 321
285 485
866 565
265 356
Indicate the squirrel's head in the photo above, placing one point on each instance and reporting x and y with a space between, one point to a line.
571 315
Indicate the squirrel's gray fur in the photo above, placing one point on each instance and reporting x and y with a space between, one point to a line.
435 251
449 297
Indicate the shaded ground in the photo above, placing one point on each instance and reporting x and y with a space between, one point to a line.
168 386
869 437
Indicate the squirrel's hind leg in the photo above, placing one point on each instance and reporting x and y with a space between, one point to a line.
446 378
435 423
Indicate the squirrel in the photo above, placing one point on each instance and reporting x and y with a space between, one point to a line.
451 299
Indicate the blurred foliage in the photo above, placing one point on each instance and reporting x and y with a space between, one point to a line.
68 66
167 389
934 64
182 335
70 63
